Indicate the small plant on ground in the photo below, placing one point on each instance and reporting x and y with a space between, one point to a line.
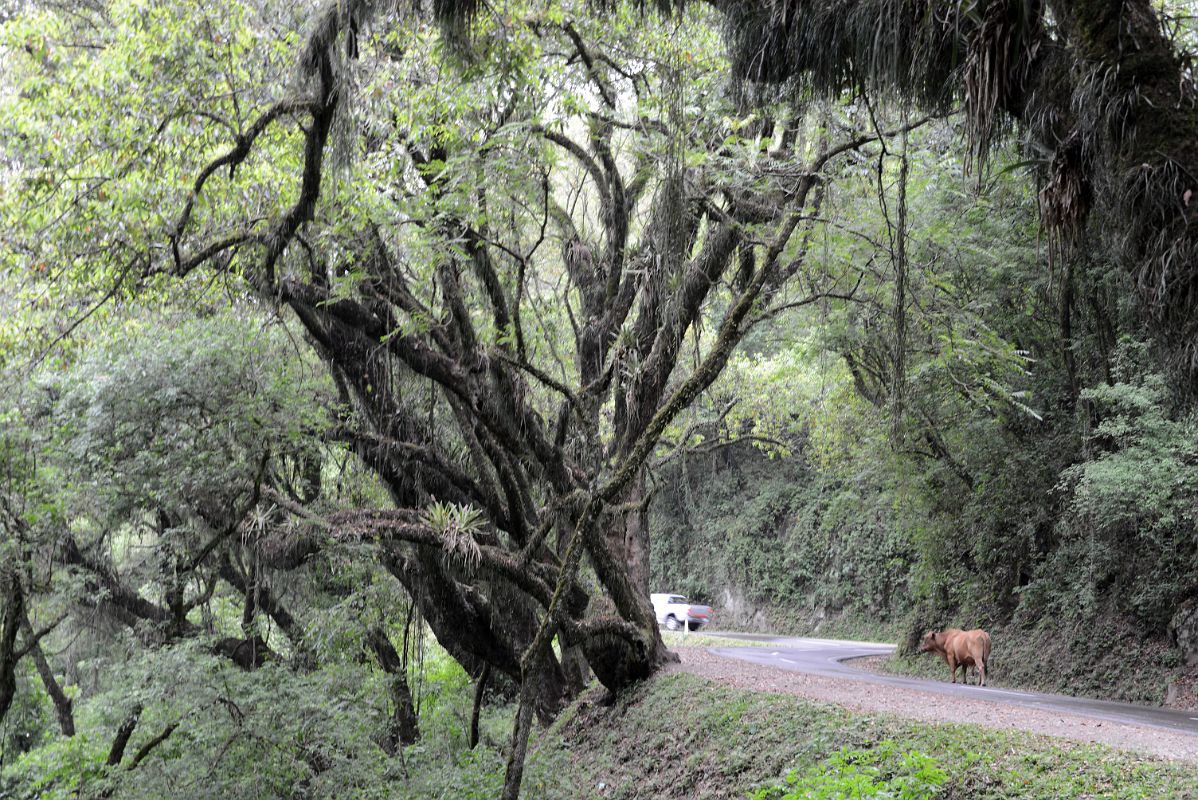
882 771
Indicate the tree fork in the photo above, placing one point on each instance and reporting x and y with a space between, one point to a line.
63 705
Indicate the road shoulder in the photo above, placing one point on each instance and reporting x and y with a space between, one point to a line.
862 696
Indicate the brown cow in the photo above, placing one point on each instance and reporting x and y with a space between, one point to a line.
960 648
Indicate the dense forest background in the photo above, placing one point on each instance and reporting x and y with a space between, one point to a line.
1030 470
365 365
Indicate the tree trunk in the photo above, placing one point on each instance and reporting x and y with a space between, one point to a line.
63 705
14 612
463 621
480 686
636 535
622 562
1065 315
519 744
405 727
123 734
616 661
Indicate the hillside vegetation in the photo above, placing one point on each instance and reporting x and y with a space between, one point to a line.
365 364
682 737
1033 479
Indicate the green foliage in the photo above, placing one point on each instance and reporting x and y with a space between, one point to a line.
55 771
28 722
1127 544
880 771
445 700
268 733
181 415
780 538
271 733
105 112
443 766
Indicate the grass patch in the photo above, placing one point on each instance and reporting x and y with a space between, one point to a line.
854 627
881 771
681 736
677 639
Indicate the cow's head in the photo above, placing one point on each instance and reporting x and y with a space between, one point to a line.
929 643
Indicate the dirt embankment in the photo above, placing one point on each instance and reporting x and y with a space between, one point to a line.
927 706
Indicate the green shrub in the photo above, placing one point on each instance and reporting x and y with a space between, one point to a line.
882 771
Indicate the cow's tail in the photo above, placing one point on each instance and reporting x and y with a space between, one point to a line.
986 650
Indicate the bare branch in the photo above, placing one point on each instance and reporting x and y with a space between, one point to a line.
149 746
237 154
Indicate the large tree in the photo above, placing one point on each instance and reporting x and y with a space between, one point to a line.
519 264
501 346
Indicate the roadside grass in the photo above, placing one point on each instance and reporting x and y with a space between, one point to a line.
681 736
848 625
854 627
676 639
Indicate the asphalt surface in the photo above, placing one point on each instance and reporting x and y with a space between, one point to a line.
833 658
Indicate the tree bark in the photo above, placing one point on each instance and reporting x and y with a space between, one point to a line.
404 728
464 624
10 623
123 733
1065 319
63 705
480 687
636 544
144 751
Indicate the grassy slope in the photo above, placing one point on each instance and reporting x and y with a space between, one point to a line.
681 736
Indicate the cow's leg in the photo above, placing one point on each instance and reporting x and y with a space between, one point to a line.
982 672
952 664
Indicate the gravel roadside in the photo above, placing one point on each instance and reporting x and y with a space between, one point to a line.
927 706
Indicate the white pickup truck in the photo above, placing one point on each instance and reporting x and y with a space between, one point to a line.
673 610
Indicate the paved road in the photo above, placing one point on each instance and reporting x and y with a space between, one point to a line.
831 657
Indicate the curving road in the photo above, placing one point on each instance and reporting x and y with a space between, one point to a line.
832 658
